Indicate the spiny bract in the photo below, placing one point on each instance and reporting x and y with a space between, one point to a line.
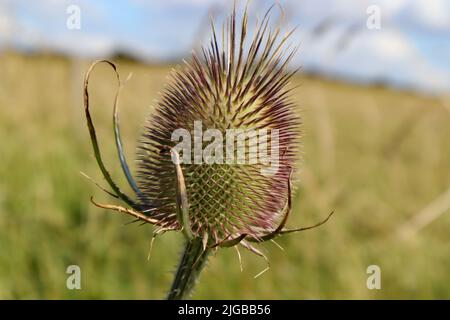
237 85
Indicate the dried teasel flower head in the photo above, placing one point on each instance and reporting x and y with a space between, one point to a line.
242 93
216 156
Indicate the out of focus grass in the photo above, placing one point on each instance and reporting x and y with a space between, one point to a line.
374 156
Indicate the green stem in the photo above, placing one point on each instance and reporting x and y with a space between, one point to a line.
192 262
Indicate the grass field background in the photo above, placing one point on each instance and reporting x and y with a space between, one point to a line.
375 156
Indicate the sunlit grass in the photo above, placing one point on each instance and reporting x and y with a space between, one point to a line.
360 160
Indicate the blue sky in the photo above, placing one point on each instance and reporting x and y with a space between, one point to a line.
411 49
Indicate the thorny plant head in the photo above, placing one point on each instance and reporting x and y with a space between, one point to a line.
234 84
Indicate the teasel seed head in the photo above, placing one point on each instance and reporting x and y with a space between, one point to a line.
236 86
236 83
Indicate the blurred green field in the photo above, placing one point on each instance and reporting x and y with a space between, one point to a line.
375 156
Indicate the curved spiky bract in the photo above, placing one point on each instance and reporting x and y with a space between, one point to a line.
235 84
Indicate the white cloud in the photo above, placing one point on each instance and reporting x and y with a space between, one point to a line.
176 2
6 22
387 55
426 14
391 53
83 45
433 14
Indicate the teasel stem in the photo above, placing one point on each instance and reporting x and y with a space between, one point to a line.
192 261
